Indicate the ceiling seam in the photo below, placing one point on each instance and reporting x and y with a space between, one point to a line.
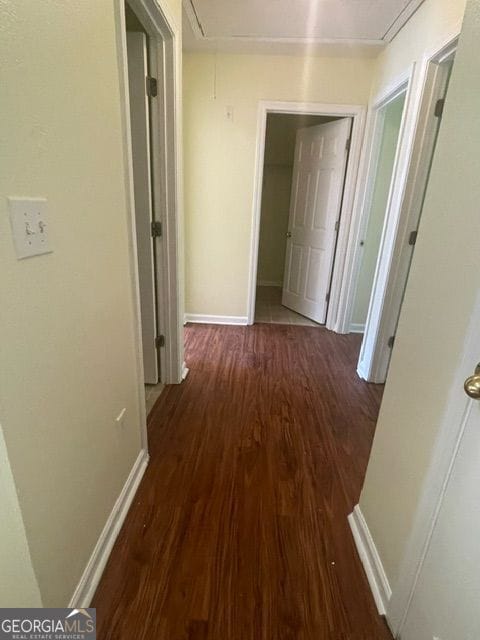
405 22
194 11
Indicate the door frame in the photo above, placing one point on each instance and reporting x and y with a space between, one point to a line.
165 60
144 214
403 211
337 309
448 439
376 119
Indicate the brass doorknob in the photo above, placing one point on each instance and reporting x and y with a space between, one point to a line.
472 384
289 234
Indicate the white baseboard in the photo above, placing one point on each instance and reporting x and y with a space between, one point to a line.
197 317
269 283
185 370
361 372
377 578
355 327
87 586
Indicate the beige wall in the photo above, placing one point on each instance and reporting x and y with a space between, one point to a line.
220 153
67 325
18 584
220 157
436 310
174 10
393 116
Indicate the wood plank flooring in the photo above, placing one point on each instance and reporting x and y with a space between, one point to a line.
239 528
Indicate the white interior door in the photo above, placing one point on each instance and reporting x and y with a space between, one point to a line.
446 600
140 127
317 186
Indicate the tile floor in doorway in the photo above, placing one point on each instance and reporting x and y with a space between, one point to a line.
152 393
269 308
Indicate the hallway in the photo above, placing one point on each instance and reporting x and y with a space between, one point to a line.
239 528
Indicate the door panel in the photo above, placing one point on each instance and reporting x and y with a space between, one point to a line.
140 128
445 603
317 186
302 197
313 274
295 269
323 199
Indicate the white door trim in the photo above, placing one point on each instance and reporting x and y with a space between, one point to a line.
166 49
447 441
140 123
338 316
401 85
403 206
367 173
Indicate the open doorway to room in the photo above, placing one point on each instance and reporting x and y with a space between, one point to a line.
147 217
402 212
149 68
386 136
307 162
291 193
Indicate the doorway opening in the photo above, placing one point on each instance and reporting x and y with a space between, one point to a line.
149 66
388 122
147 216
288 187
402 217
307 164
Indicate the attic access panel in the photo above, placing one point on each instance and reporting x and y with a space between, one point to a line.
320 20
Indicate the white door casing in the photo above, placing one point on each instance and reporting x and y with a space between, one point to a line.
141 155
438 372
387 297
317 187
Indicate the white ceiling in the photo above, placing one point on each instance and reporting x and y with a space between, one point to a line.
253 25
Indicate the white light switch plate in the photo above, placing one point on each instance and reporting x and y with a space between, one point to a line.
28 218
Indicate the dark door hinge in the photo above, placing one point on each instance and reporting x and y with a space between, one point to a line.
439 105
159 341
348 144
156 229
337 225
327 297
391 341
412 238
152 86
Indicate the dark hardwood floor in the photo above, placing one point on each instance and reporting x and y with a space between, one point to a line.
239 528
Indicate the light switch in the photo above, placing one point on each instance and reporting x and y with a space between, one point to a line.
28 218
